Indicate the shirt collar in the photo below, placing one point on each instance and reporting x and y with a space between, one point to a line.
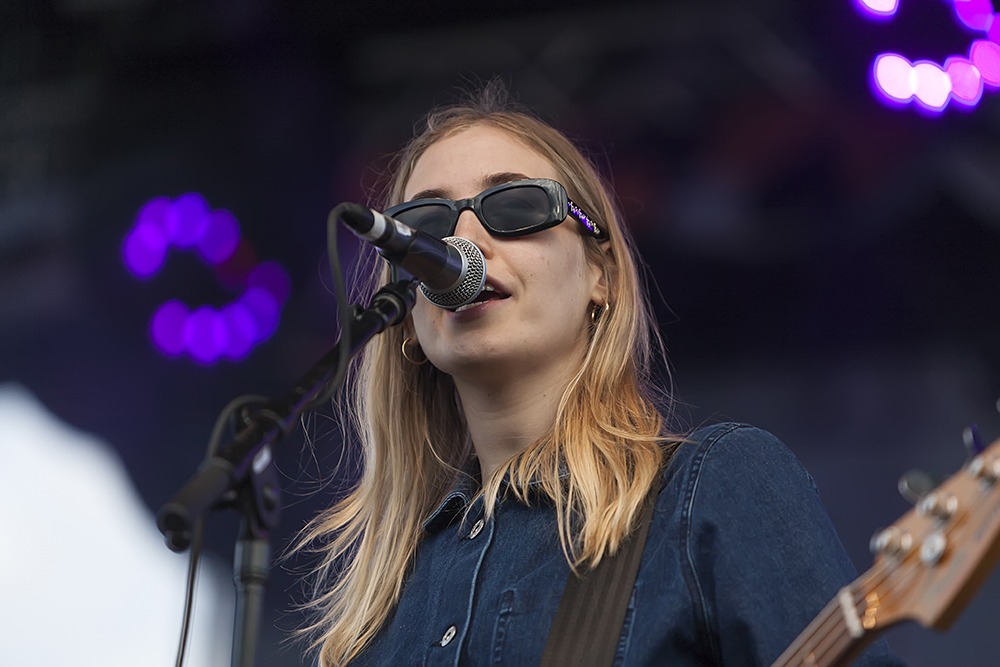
464 487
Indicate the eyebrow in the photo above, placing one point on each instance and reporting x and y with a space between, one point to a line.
488 181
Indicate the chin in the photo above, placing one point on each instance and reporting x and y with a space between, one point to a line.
475 360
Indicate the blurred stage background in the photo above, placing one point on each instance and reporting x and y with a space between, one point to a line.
827 265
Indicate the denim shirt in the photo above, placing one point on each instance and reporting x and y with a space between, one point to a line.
740 557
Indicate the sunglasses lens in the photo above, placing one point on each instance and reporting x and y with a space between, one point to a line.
435 219
517 209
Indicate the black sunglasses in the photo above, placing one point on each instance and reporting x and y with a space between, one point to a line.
512 209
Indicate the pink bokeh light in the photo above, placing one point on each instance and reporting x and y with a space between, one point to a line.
894 77
975 14
931 86
966 82
994 32
878 8
985 55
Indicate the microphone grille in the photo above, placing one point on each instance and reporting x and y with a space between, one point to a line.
469 285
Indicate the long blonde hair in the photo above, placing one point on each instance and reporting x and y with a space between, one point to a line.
608 433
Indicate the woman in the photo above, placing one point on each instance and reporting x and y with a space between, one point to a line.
514 440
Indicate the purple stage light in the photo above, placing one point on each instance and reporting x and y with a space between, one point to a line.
187 219
144 250
205 335
146 244
924 81
167 328
966 82
975 14
931 85
985 55
878 8
154 212
241 331
264 309
894 77
272 277
220 237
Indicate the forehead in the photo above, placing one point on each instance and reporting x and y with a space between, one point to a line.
460 163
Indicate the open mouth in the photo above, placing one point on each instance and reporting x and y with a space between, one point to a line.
489 293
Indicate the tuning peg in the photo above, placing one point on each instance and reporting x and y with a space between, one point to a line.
915 484
973 443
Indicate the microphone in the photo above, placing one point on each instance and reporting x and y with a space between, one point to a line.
451 271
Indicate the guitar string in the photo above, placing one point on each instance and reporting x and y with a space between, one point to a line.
842 639
907 571
808 643
835 635
829 622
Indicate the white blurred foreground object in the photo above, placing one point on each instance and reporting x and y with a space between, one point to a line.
85 578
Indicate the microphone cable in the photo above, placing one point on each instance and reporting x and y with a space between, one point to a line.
197 538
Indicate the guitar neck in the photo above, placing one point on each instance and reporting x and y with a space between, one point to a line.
840 632
928 566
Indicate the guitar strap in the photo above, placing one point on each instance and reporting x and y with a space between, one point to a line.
588 623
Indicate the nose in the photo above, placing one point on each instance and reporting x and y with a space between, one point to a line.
469 227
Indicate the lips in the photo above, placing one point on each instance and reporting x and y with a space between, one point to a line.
489 293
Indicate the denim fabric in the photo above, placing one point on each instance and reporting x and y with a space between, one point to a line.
740 557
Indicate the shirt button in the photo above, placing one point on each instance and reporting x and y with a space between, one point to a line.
448 635
476 529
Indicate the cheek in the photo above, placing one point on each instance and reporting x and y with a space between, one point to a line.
568 273
561 263
562 288
422 319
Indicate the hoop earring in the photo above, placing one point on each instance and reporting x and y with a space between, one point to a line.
413 360
599 312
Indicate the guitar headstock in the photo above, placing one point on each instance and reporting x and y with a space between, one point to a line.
930 563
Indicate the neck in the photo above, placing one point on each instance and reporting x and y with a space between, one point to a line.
505 417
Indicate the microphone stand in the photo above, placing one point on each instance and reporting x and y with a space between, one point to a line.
242 475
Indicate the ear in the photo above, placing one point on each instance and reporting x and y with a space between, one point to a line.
601 273
409 331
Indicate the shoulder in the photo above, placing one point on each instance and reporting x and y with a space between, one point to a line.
737 493
733 437
729 464
741 449
740 518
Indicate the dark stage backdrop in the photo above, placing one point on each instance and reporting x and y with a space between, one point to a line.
824 265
